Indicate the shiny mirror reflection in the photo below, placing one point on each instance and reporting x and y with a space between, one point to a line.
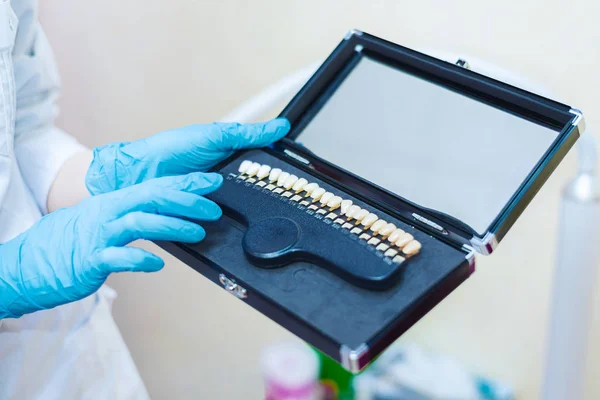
430 145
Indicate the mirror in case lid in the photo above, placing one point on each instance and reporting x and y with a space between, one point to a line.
456 152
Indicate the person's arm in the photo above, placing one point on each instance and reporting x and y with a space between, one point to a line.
47 156
68 188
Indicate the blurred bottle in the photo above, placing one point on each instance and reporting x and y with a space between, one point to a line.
290 372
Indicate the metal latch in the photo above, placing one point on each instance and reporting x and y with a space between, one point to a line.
232 287
461 62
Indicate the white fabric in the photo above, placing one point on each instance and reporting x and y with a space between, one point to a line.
74 351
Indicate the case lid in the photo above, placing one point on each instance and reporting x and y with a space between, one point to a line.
453 151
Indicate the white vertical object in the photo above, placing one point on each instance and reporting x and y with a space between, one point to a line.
574 281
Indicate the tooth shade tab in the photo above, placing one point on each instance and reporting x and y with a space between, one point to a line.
396 235
411 248
369 220
274 175
299 185
404 239
317 193
326 197
387 229
311 187
345 205
351 212
360 215
334 202
253 169
263 171
378 225
244 166
282 178
289 182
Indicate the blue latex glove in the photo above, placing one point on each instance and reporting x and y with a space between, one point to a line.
176 152
68 254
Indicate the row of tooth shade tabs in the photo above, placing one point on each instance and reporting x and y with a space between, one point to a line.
367 225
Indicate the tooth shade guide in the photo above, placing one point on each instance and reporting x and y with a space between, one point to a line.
263 171
325 198
395 235
411 248
378 225
282 178
253 169
294 186
387 230
404 239
244 166
299 185
360 215
334 203
345 205
317 193
289 182
351 212
274 174
369 220
309 188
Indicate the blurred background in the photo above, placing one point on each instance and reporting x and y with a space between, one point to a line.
132 68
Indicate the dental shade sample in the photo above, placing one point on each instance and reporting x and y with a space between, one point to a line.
367 225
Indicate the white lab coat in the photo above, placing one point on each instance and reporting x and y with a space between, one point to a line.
74 351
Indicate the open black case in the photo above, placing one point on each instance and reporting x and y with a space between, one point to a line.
446 157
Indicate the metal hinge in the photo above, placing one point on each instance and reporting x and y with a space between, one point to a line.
232 287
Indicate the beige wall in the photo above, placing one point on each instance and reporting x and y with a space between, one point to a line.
131 68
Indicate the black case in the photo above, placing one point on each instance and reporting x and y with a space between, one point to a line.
345 318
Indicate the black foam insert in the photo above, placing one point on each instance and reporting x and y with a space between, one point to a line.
333 306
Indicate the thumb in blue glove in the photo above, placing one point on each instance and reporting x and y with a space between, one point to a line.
68 254
176 152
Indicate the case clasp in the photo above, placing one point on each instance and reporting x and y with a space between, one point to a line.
232 287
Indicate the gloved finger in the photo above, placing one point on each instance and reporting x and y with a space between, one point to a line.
179 197
140 225
196 182
120 259
234 136
172 203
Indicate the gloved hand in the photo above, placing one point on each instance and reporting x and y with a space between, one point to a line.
176 152
68 254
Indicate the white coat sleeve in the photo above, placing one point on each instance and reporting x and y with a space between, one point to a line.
40 147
